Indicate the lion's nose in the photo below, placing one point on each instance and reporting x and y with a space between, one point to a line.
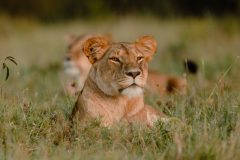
67 58
133 74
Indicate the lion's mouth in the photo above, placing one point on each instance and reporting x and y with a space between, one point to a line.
132 85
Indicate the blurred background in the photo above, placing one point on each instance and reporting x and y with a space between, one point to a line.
206 31
54 10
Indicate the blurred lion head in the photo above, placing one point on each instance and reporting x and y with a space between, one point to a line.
76 64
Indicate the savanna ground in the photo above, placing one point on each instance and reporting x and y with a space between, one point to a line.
34 108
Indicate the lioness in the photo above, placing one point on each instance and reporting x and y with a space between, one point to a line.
114 87
77 67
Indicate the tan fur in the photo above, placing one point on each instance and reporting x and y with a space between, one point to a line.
118 70
76 64
159 83
166 84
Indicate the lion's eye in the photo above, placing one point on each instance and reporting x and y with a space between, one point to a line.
139 59
115 59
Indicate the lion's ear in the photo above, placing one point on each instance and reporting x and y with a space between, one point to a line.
70 38
147 45
108 36
94 48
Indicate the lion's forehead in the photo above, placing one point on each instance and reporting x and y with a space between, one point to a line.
124 50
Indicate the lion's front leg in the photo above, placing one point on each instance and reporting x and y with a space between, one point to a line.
147 115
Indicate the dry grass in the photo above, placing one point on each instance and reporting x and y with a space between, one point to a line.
205 123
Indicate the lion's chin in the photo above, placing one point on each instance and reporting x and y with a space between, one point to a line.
71 69
132 91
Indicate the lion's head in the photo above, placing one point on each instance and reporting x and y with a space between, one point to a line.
120 68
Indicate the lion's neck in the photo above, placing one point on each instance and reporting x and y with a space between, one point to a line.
92 85
94 91
97 104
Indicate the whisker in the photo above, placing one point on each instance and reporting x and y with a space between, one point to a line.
122 79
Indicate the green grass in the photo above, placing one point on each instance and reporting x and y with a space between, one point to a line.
34 108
